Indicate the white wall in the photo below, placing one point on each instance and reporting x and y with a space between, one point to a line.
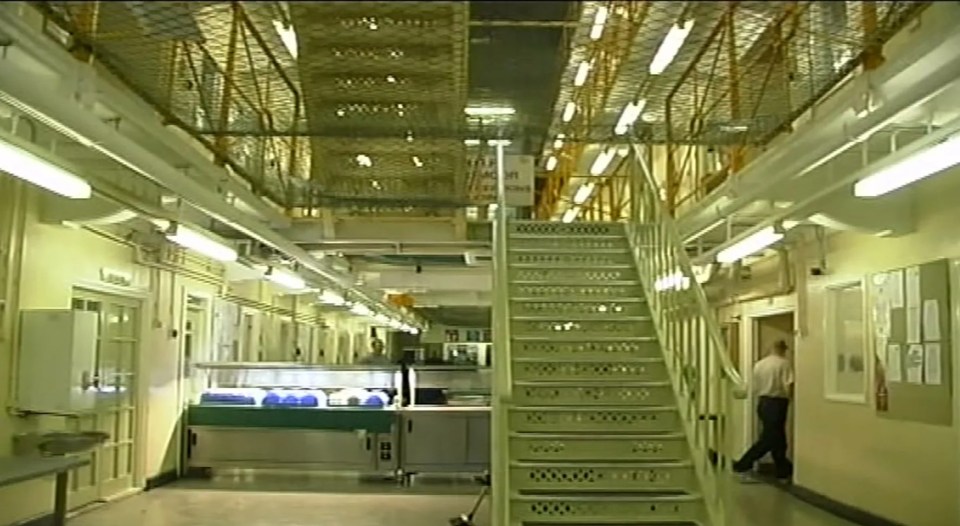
56 259
904 471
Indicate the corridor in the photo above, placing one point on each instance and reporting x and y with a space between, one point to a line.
303 503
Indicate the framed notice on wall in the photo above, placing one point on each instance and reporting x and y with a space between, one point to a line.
845 346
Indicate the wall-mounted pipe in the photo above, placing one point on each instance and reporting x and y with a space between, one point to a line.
921 71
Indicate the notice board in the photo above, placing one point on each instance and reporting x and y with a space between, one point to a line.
910 317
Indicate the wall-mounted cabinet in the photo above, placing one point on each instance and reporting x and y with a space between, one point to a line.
57 361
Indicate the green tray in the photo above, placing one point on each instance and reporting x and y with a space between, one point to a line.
329 419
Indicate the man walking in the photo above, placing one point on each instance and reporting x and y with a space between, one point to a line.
773 386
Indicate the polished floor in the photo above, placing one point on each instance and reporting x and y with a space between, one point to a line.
302 502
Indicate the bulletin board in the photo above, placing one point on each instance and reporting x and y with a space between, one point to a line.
912 340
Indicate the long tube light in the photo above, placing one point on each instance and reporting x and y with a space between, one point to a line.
361 310
602 162
288 36
631 112
329 297
582 71
489 111
583 193
599 22
32 168
201 243
285 279
752 244
568 111
570 214
551 163
921 165
670 46
558 141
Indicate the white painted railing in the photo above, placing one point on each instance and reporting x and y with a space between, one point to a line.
502 384
701 370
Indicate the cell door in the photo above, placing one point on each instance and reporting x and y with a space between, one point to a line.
111 468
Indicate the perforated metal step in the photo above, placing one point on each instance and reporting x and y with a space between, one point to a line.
560 258
577 370
541 228
568 329
574 292
586 276
598 448
617 510
587 419
588 309
600 393
593 477
547 349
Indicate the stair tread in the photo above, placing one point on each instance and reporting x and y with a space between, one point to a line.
636 409
567 236
633 496
586 338
575 283
592 383
601 359
581 299
602 436
580 317
552 250
573 266
602 464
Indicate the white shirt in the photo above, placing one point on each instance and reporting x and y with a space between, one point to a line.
773 376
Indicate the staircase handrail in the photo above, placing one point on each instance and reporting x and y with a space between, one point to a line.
686 268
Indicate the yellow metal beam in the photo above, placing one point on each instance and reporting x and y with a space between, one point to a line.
611 52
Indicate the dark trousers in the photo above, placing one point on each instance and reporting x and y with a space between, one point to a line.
773 437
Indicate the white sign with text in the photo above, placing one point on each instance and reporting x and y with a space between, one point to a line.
518 172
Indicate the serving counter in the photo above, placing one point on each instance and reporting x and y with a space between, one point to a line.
361 419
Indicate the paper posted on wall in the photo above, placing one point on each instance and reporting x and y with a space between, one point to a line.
932 373
914 364
894 363
931 321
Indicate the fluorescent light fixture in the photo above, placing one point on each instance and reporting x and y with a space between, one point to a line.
471 142
32 168
288 36
920 165
361 310
599 21
558 142
551 163
382 318
582 71
583 193
568 111
750 245
498 142
670 47
364 160
329 297
602 162
285 279
496 111
417 162
570 214
201 243
631 112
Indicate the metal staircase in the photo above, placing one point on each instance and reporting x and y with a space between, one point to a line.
612 396
595 436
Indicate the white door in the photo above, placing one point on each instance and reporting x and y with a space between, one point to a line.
111 468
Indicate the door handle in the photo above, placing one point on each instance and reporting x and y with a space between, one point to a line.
409 426
369 443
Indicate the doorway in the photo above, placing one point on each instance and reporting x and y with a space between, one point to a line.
111 468
767 330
